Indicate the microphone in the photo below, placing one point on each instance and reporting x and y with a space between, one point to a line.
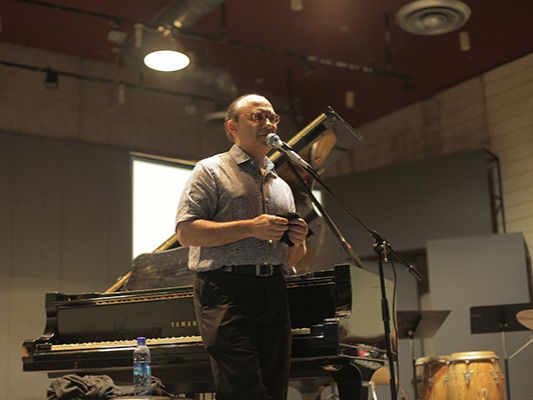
275 142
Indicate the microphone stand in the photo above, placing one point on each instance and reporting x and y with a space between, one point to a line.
334 228
382 248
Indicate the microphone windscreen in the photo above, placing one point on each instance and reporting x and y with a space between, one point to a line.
273 140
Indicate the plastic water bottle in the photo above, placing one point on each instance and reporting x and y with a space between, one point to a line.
142 372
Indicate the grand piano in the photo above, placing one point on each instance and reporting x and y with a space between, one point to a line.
335 314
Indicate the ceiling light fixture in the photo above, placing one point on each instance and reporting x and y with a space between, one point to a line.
164 54
432 17
166 60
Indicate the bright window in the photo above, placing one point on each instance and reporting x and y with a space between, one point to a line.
157 188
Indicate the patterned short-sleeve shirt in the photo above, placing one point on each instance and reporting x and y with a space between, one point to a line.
230 187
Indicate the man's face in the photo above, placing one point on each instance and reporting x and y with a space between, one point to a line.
256 119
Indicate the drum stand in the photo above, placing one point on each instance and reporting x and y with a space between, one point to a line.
507 358
501 318
419 325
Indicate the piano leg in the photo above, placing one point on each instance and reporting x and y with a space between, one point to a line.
348 379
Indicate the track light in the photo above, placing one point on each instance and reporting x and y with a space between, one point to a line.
51 80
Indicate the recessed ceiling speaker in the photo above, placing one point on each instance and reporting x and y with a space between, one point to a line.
432 17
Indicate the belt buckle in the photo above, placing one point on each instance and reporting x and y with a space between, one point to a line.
264 270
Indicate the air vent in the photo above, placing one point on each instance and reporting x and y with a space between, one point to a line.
432 17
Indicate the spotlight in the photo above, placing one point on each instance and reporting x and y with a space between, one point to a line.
51 80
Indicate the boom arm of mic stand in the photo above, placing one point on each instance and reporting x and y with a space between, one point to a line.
377 236
340 237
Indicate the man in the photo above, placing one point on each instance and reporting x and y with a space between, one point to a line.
229 215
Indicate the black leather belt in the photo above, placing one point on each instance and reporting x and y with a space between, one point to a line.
262 270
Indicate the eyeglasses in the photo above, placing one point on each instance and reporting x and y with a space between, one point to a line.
261 116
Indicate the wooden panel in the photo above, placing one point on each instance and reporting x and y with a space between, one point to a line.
120 209
86 212
522 224
516 182
517 109
512 97
505 135
7 304
500 129
516 168
517 152
7 179
518 213
520 196
509 84
25 318
502 74
37 219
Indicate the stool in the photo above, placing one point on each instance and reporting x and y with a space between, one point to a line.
382 377
142 398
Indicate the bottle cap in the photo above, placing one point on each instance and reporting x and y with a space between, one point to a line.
141 340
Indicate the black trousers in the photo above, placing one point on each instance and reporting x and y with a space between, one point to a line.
245 326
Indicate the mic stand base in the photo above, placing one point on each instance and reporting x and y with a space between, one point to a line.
413 363
380 247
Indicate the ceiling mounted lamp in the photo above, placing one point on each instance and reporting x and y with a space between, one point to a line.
164 54
432 17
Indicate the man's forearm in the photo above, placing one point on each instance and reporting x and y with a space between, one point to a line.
206 233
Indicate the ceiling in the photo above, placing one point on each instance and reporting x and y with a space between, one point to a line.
407 69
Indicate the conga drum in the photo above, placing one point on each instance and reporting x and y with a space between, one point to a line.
475 375
431 378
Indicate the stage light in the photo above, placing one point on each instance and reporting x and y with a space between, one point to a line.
51 80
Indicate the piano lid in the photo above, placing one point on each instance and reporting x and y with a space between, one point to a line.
365 325
321 143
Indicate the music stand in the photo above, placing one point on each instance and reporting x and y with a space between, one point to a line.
419 325
500 318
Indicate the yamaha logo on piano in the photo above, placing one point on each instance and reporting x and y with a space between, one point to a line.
182 324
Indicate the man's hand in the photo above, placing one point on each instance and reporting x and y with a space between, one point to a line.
268 227
297 231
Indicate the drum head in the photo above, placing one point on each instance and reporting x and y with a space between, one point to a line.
143 398
429 360
473 355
